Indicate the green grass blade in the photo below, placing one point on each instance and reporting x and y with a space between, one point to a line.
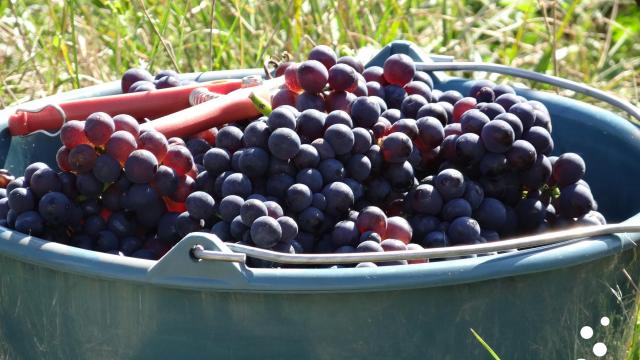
485 345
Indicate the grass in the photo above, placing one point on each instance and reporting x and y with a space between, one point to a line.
55 45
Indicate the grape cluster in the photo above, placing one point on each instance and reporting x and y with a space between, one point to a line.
136 80
119 190
349 160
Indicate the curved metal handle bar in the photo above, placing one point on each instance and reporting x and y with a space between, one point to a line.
445 252
56 107
531 75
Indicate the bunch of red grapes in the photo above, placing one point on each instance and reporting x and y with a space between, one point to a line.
349 160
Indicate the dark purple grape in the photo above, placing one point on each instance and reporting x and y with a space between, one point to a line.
359 167
353 62
540 139
375 89
484 94
254 162
82 158
340 137
521 156
229 138
434 239
456 208
311 124
422 225
426 199
284 97
141 166
513 121
200 205
310 177
185 224
140 86
120 225
493 164
278 184
236 184
251 210
88 185
43 181
365 112
337 100
344 233
374 73
491 214
324 55
497 136
531 213
394 95
450 96
338 117
396 147
399 69
473 121
411 104
30 223
430 132
107 169
256 134
165 82
567 169
377 190
331 170
423 77
464 230
284 143
381 128
450 184
55 208
298 197
575 201
342 77
216 161
419 88
319 201
392 115
339 198
476 85
362 140
490 109
307 157
165 180
311 220
230 207
405 126
469 148
31 169
401 176
312 76
433 110
525 113
502 89
21 200
280 118
507 100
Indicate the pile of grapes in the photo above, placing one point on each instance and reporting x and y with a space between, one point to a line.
349 160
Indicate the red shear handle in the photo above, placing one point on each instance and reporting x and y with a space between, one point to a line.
232 107
148 104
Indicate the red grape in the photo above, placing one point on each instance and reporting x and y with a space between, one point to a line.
120 145
62 158
399 228
291 78
186 185
461 106
179 159
127 123
342 77
312 76
72 134
399 69
98 127
155 142
283 97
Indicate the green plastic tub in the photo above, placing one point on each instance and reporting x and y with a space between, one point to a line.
60 302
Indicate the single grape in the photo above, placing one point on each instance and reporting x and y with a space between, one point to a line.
324 55
30 223
310 177
426 199
462 106
311 124
469 149
473 121
154 142
280 118
538 174
399 69
298 198
497 136
43 181
575 201
254 162
82 158
451 96
540 139
134 75
359 167
434 110
430 132
342 77
339 196
398 228
141 166
331 170
490 109
107 169
98 128
464 230
283 97
62 159
419 88
525 113
365 112
521 156
200 205
312 76
394 95
531 213
568 169
401 176
284 143
340 137
336 100
291 78
179 159
507 100
216 161
374 73
396 147
491 214
456 208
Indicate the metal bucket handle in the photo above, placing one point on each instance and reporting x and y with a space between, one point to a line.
447 252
